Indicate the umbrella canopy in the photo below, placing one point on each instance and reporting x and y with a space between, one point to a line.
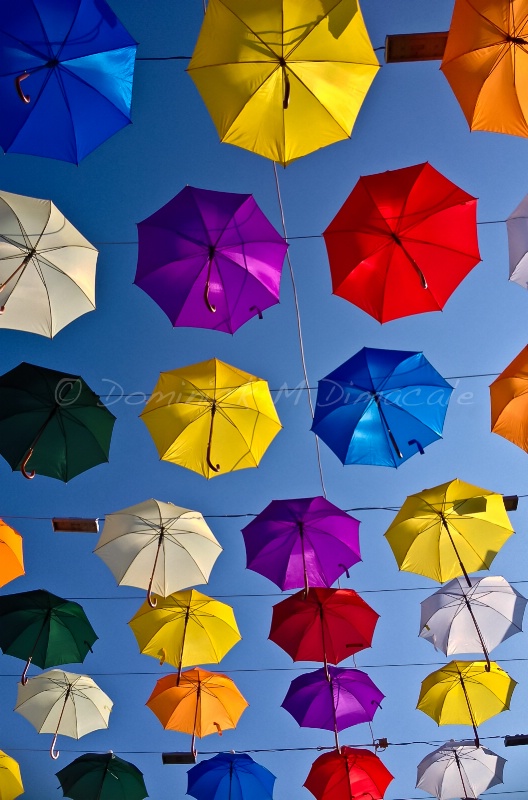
230 776
402 242
10 778
186 628
347 773
326 625
509 401
208 413
459 769
210 259
47 268
63 702
11 555
52 423
485 61
76 67
285 79
517 228
158 546
44 629
302 542
466 693
102 776
462 619
381 407
449 530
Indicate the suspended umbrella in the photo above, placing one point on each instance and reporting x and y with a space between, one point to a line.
227 776
10 778
11 555
44 629
326 625
302 542
65 77
466 693
285 79
402 242
47 268
63 703
52 423
449 530
485 61
459 769
381 407
462 619
159 547
211 418
102 776
348 773
517 228
210 259
509 402
186 628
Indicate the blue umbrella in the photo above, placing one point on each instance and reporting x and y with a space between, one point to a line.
381 407
230 776
65 77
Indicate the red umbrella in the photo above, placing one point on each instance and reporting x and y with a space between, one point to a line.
323 625
348 773
402 242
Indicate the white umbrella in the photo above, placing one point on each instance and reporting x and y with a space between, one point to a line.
47 268
159 547
459 769
517 227
63 702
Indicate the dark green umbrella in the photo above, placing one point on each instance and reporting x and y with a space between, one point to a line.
102 777
44 629
52 423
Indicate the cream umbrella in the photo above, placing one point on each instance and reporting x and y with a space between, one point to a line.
459 769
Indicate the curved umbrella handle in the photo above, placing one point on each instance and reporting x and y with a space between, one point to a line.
211 308
257 309
218 728
23 677
151 600
54 753
286 99
214 467
418 445
28 475
24 97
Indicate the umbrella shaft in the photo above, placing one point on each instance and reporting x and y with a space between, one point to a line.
446 526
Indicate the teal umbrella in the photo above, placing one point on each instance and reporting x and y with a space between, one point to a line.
102 777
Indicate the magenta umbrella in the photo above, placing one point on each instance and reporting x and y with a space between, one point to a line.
210 259
302 543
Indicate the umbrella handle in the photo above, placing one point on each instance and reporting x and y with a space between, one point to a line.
286 99
215 468
28 475
418 445
24 97
23 678
54 753
206 298
347 573
257 309
218 728
151 600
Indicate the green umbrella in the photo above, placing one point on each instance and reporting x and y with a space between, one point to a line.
44 629
52 423
102 777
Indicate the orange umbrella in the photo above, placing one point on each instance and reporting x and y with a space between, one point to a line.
486 63
11 558
509 401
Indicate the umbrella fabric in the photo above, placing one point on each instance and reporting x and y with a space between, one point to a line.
402 242
509 402
459 769
52 423
186 628
65 79
44 629
348 773
10 778
104 776
381 407
485 61
230 776
302 542
449 530
11 554
462 619
285 79
517 229
158 546
210 259
326 625
211 418
47 268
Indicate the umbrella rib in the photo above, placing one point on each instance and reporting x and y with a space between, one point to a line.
488 21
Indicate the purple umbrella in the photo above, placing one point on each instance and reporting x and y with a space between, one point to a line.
210 259
302 543
333 699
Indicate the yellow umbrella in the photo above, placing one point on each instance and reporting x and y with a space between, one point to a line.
186 628
283 78
11 557
211 418
466 693
10 780
449 530
509 401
